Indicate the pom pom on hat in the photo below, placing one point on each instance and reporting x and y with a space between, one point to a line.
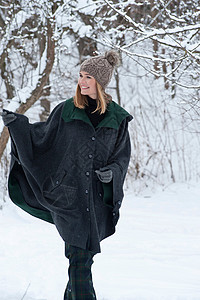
112 57
101 67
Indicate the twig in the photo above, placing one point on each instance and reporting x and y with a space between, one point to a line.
26 291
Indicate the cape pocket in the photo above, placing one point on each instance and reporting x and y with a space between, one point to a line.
60 192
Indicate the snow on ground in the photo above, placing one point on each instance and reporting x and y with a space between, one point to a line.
154 255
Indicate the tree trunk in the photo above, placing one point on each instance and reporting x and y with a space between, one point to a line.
45 103
117 87
37 92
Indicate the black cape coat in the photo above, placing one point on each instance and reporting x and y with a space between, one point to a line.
52 173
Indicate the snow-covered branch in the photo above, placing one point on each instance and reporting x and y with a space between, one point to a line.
174 40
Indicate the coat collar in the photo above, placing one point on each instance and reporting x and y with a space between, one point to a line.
115 114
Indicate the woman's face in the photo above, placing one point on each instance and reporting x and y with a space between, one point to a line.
87 85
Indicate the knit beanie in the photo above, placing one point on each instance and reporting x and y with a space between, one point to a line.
101 67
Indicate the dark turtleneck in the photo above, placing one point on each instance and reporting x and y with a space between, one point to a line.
95 118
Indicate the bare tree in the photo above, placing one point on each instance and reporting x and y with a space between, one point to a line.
26 32
172 27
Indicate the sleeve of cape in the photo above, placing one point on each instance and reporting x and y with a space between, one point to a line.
26 140
118 163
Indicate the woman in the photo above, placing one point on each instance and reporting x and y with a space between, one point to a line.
70 170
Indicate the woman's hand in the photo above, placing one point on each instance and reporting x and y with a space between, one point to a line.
7 116
104 174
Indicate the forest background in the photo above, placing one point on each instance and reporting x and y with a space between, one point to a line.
43 42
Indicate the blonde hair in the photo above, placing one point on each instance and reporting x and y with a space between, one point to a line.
103 99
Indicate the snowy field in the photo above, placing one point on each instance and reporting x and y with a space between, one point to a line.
155 254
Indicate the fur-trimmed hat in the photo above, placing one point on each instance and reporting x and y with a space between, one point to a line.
101 67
